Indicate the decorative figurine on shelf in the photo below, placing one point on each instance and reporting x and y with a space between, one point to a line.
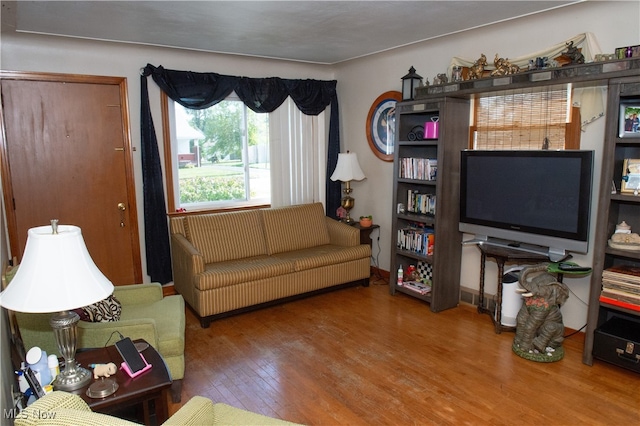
624 239
503 67
539 332
573 54
104 370
477 69
440 79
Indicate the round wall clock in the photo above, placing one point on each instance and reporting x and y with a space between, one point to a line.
381 125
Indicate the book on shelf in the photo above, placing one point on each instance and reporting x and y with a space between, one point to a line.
620 303
623 273
421 203
418 168
621 286
417 240
417 287
621 295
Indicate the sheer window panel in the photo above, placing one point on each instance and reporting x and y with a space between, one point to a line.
298 150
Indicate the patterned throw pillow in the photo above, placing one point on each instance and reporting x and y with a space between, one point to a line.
107 310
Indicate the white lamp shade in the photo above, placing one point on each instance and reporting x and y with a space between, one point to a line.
347 168
56 274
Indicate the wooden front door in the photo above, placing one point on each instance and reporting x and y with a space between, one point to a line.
66 155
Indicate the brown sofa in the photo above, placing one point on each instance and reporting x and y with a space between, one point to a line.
225 263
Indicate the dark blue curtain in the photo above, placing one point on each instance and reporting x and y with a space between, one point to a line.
202 90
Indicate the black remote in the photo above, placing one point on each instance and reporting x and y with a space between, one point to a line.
573 268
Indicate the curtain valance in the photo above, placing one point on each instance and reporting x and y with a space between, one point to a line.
202 90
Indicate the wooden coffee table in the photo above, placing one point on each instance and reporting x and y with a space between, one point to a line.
149 390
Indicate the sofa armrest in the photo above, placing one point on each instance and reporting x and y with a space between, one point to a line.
138 294
60 399
197 411
342 234
64 408
100 334
187 262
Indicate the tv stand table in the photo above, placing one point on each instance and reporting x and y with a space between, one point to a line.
502 255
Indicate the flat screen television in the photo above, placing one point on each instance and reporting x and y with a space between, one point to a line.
535 201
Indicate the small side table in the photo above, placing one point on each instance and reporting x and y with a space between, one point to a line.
365 233
501 255
149 389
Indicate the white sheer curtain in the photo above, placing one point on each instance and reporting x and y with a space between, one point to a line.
298 153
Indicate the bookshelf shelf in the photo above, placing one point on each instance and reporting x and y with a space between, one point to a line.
442 190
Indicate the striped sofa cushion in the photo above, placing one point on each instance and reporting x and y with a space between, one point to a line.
226 236
316 257
222 274
295 227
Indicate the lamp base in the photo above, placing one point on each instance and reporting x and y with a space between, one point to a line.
69 382
65 329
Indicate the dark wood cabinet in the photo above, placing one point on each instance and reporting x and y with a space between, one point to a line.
427 184
613 208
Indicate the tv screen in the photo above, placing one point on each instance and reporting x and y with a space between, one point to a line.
541 198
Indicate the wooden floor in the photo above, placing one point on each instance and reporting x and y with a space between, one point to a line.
359 356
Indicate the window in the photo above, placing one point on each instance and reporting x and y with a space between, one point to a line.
526 119
228 157
219 156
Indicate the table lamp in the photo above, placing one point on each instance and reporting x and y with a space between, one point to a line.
58 275
347 169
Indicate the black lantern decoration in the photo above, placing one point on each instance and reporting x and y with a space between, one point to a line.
409 84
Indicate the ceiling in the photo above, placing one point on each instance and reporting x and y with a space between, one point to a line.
324 32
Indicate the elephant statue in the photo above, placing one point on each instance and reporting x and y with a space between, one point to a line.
477 69
539 322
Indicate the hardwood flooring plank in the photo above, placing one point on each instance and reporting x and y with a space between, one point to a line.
360 356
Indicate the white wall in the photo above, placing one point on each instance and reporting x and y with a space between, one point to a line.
360 82
25 52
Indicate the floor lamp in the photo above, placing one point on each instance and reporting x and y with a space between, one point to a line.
58 275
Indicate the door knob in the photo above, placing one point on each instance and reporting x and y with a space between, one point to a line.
122 207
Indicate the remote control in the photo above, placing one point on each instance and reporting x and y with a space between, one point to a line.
572 267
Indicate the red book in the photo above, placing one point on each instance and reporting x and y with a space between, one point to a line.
620 303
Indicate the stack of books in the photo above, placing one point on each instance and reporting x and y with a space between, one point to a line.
417 287
621 287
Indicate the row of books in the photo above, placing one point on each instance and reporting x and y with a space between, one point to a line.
621 286
421 203
417 240
418 168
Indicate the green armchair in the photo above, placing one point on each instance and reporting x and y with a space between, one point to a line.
146 314
62 408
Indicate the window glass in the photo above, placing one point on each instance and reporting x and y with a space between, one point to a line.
220 156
